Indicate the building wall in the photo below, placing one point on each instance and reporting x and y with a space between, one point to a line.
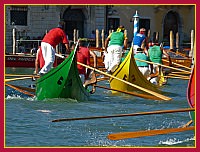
42 18
156 14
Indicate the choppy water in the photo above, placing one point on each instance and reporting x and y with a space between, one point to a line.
28 121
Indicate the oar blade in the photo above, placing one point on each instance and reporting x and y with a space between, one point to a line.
138 134
20 90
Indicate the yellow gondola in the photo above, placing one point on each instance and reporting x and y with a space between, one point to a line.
129 71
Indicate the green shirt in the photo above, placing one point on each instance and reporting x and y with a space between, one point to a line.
116 38
155 54
141 56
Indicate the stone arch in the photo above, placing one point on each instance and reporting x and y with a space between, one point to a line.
171 22
74 19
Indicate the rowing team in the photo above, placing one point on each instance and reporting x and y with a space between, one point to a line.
114 44
154 54
117 41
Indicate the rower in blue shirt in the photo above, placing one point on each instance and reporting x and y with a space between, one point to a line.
139 40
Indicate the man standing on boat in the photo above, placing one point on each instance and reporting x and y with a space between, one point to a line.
83 56
139 40
113 49
49 43
155 55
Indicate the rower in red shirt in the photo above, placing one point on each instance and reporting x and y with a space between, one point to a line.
83 56
48 45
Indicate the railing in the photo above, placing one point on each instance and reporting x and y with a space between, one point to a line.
27 46
31 46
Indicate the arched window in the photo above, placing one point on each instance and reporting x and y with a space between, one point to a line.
74 19
170 24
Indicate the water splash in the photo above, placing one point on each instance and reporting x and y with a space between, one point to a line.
19 97
175 141
14 96
44 111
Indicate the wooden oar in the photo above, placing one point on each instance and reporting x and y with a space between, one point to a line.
181 73
137 134
98 79
23 88
178 64
146 96
126 115
59 55
21 78
173 77
188 124
102 79
21 75
131 84
20 90
164 66
178 75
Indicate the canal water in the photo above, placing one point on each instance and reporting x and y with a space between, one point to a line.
28 122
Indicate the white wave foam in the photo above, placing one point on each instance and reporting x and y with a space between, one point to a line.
44 111
19 97
175 141
14 97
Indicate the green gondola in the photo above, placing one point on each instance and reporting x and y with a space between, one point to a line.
62 82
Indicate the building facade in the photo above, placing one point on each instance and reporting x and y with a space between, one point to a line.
33 21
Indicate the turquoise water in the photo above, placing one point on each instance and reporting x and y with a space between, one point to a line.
28 122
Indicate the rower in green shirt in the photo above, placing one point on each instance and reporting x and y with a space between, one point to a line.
155 55
142 66
114 44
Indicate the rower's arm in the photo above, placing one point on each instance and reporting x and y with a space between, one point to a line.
125 43
94 57
168 57
67 48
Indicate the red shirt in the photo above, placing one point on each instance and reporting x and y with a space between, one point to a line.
55 36
83 56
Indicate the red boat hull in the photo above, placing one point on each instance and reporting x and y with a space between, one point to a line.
24 61
29 61
191 93
191 90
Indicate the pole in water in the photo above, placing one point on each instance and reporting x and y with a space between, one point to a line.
136 23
